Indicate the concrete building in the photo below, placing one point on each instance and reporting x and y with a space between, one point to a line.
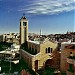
68 58
23 30
6 54
45 51
15 47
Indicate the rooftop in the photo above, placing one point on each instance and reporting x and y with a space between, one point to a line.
69 42
6 52
72 46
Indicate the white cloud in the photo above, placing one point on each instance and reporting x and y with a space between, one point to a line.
49 6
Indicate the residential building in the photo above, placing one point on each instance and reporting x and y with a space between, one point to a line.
11 38
68 58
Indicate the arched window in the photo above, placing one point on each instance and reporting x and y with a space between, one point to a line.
51 50
35 51
48 49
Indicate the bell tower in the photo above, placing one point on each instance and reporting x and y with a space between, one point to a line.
23 30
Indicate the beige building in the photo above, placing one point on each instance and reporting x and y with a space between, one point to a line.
68 58
39 53
47 55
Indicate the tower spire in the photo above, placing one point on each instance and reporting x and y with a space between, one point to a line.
23 14
23 17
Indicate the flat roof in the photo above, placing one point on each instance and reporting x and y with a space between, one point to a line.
35 42
68 42
6 52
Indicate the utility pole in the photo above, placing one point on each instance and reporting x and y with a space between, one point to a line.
40 35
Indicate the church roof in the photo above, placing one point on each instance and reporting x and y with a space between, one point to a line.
42 41
23 17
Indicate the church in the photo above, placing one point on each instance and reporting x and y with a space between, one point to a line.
38 54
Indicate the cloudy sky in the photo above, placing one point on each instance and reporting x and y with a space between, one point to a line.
52 16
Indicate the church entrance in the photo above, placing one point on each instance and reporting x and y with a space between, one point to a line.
49 63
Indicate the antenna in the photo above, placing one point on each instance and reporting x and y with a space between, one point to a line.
40 32
40 35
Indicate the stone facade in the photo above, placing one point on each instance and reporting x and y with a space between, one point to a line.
39 60
23 30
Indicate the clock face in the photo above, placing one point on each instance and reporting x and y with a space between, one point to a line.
24 23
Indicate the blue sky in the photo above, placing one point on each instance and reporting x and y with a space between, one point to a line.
52 16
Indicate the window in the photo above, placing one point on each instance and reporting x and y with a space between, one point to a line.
48 49
35 51
24 23
36 47
51 50
70 52
29 48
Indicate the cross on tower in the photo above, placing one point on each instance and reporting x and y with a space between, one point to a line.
23 14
